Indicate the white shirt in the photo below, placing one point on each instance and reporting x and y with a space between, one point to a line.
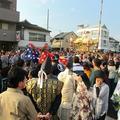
68 88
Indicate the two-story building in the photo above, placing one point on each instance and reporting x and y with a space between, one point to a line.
8 19
31 33
64 40
97 36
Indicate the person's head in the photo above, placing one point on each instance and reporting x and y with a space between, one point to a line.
86 66
33 74
47 65
103 65
20 63
111 63
27 63
96 62
76 59
17 78
99 77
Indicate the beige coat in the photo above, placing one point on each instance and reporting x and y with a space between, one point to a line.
16 106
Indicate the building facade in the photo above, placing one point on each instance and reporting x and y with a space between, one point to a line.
8 19
97 37
64 40
30 33
114 45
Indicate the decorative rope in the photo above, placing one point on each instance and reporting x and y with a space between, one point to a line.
41 76
60 67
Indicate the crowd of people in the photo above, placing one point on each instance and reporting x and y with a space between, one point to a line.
57 85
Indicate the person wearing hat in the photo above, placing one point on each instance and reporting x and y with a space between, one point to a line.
46 91
100 96
56 66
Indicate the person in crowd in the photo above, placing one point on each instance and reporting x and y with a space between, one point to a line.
67 91
104 68
112 74
81 105
46 91
16 57
87 69
96 67
27 66
14 105
56 66
4 59
79 70
100 96
77 67
117 62
4 80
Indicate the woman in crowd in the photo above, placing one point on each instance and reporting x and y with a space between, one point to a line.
81 106
112 74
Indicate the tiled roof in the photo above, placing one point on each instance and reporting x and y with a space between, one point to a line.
113 40
61 35
28 25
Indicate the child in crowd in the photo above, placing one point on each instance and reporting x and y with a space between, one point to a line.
100 96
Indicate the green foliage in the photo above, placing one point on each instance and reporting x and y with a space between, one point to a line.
116 100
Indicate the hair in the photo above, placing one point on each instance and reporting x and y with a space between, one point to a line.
28 63
34 73
76 59
16 75
97 62
86 65
104 63
111 63
47 65
4 71
20 63
100 74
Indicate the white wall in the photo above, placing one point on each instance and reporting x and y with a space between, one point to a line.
26 41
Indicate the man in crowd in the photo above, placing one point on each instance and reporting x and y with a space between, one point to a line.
14 105
46 91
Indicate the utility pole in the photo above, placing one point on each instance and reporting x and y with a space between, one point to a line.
48 19
100 22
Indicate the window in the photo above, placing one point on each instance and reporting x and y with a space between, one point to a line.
5 4
4 26
37 37
94 34
104 42
104 33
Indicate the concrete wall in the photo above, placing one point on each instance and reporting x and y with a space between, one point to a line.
7 35
8 15
26 41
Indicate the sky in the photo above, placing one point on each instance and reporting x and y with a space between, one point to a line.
66 15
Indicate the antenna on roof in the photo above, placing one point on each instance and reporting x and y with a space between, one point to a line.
48 19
